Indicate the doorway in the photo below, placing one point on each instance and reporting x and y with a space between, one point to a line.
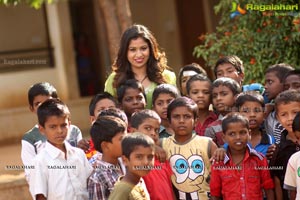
90 59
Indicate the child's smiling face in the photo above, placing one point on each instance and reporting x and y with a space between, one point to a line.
200 92
286 113
237 136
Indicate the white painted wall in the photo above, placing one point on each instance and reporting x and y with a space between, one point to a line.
15 117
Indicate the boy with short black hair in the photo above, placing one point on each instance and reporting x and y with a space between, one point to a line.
158 180
274 79
199 89
287 104
138 157
188 153
131 97
224 92
146 122
114 112
162 96
60 170
231 67
98 103
243 173
274 84
292 80
107 133
33 141
251 105
186 72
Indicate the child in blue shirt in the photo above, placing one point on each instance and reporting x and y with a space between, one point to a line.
251 105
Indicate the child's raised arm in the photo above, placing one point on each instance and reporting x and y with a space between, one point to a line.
213 147
160 154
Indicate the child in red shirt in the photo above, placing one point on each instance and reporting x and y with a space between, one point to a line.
244 172
158 181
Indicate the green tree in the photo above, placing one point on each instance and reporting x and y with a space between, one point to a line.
33 3
259 38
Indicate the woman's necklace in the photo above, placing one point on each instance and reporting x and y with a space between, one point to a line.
141 81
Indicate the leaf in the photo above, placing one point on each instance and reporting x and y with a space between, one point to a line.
33 3
253 35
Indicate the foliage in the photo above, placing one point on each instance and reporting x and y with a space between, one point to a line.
259 38
33 3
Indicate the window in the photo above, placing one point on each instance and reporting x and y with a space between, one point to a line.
24 39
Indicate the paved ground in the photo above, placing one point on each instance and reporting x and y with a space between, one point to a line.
12 182
10 156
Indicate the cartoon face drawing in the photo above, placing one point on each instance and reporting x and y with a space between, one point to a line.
191 168
188 173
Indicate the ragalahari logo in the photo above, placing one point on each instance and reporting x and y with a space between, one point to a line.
236 10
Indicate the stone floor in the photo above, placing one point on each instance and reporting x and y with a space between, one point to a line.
10 155
12 182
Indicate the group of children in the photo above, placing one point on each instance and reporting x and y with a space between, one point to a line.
217 141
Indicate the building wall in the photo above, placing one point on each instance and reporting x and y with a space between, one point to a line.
14 84
161 18
15 116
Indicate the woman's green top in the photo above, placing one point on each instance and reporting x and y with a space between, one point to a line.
169 76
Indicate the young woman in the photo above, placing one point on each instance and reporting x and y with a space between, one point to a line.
140 58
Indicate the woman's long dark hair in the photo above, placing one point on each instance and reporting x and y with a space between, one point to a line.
156 64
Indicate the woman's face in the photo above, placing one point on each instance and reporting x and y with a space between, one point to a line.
138 53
